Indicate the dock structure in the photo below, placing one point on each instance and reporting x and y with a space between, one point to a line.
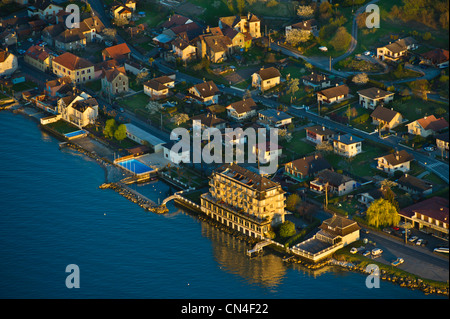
258 247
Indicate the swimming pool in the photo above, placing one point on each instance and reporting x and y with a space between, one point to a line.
135 166
75 134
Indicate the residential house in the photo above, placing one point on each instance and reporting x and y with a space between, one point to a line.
333 94
7 38
238 39
317 81
347 145
175 20
158 88
386 118
39 57
216 48
274 118
333 182
307 25
8 62
115 81
442 143
245 24
58 87
78 69
437 58
130 4
120 53
183 50
426 126
242 110
429 216
266 79
414 185
370 196
104 65
92 29
121 12
44 9
78 109
206 121
50 33
338 230
396 50
306 167
267 151
244 201
205 93
37 26
70 39
397 161
372 97
134 67
319 134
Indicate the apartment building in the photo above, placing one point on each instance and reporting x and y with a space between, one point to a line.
244 200
79 70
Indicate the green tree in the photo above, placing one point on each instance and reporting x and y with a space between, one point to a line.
341 40
121 133
287 229
292 202
382 213
110 128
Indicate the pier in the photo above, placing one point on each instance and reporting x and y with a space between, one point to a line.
258 248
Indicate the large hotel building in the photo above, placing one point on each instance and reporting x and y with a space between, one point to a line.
243 200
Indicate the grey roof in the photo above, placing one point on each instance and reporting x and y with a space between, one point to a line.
348 139
275 115
144 135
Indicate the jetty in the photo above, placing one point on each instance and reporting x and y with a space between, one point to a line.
135 197
258 248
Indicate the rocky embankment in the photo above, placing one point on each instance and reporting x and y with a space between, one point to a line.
135 198
426 287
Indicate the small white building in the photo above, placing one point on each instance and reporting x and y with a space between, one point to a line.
179 153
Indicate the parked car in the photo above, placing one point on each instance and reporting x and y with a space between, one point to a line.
367 53
395 228
397 262
441 250
354 250
413 239
429 148
366 253
364 231
419 241
377 251
387 230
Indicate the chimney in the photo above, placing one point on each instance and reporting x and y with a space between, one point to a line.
323 128
351 138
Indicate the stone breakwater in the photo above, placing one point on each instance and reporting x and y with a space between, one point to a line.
135 198
427 288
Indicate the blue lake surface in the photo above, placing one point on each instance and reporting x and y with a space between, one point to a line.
53 214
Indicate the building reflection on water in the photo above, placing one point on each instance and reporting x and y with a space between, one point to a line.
267 270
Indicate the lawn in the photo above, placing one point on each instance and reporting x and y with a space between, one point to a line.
297 148
414 108
154 13
63 127
19 87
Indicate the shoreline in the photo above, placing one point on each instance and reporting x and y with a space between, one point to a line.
419 283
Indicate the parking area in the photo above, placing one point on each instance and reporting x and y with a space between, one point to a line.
419 260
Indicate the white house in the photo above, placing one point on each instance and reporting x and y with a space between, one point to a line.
8 62
80 110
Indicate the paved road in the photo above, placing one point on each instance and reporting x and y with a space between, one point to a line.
418 260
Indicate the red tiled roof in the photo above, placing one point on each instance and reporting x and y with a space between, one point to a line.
432 123
434 207
72 62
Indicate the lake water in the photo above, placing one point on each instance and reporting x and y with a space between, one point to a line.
53 214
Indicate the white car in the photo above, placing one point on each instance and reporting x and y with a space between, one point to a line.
419 242
377 251
354 250
324 49
366 253
397 262
413 239
441 250
367 53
